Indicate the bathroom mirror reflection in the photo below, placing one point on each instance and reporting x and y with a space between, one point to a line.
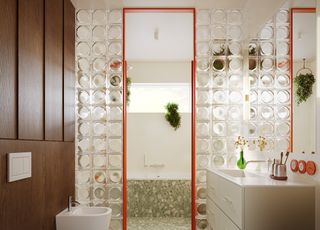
304 78
159 56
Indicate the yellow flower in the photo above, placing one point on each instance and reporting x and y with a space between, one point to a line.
240 142
262 143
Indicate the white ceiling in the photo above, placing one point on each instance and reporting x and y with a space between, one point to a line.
97 4
256 12
175 36
300 3
304 36
217 4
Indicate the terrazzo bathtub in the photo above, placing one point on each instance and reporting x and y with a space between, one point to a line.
159 197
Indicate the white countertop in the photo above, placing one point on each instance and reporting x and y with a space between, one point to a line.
257 179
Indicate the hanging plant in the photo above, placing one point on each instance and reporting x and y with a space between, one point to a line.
303 86
129 82
172 115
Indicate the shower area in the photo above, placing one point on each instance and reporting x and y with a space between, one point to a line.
158 156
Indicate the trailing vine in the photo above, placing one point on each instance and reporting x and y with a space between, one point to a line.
303 84
129 82
172 115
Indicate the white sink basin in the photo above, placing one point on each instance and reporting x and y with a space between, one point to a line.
237 173
84 218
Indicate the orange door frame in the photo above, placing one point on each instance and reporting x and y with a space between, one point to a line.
193 113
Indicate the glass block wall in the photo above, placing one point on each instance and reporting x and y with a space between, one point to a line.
219 96
220 82
99 110
270 85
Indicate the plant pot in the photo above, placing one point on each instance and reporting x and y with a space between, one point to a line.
218 64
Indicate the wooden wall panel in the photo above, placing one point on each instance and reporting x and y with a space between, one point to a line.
8 69
62 183
32 61
53 70
33 203
31 69
69 72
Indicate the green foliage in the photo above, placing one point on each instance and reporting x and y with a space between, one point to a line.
303 86
129 82
252 49
172 115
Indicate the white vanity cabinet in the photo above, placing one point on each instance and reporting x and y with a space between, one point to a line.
258 203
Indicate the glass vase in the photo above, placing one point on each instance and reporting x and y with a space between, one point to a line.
241 163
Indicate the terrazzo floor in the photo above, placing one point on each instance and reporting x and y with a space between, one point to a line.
158 223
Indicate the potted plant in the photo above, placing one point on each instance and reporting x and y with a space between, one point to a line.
218 64
240 143
303 86
172 115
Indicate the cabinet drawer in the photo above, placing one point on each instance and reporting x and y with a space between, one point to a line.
217 219
227 196
211 214
212 185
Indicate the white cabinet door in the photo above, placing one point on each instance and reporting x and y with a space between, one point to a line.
227 196
217 219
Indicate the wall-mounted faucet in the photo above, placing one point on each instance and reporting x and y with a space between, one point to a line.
269 162
71 203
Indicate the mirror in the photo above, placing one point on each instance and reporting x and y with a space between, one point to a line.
304 86
159 71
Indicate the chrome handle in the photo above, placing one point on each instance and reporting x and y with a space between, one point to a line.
72 203
75 203
69 203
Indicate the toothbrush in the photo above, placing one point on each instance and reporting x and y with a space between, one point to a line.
281 158
287 155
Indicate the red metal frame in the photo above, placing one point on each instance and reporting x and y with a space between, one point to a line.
292 11
193 112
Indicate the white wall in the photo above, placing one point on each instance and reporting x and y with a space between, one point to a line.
304 117
150 134
160 72
159 36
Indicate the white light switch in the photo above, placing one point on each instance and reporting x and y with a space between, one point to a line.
19 166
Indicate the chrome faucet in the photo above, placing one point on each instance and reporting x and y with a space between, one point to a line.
269 162
71 203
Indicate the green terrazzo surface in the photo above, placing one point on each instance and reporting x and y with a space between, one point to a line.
159 198
160 223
